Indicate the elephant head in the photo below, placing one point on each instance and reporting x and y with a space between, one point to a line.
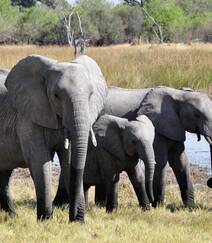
55 95
125 140
173 112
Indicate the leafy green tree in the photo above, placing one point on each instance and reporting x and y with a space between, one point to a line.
36 25
132 21
8 20
170 16
24 3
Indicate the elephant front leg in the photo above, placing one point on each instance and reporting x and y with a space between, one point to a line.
136 177
112 194
34 144
180 165
6 202
41 174
161 157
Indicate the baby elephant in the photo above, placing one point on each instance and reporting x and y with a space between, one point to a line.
120 144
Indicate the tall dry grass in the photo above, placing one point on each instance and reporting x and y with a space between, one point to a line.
176 65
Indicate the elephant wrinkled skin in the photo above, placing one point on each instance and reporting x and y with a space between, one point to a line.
43 104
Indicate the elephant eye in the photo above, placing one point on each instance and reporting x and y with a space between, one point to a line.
133 142
56 96
197 116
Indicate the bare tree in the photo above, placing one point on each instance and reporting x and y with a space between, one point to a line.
158 30
77 41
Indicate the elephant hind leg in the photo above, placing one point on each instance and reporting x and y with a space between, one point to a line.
62 196
180 165
6 202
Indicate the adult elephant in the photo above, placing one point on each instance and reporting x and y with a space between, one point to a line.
43 104
172 112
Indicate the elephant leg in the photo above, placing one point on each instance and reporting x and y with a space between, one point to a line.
62 196
136 177
180 165
6 202
86 189
112 194
37 155
161 157
100 194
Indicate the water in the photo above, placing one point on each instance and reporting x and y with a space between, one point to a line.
198 152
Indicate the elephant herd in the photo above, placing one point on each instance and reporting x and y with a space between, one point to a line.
97 131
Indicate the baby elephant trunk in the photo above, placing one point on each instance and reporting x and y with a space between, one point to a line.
147 155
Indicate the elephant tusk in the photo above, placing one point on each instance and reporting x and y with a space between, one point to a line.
208 140
66 143
93 138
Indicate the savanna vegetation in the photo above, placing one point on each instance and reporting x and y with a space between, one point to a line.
126 66
42 22
175 65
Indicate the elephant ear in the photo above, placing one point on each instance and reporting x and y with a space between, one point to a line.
26 84
159 106
109 135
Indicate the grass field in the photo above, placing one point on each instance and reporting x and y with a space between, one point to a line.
125 66
175 65
170 223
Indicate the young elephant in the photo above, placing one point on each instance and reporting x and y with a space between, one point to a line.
120 144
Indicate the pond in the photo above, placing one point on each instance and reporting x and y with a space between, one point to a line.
198 152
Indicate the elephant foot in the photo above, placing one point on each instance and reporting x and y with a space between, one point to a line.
77 215
77 199
10 213
209 182
189 205
44 216
145 208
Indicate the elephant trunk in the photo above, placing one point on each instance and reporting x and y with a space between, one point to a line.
209 182
149 162
77 121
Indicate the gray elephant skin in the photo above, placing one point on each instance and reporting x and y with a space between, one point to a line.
43 104
172 112
120 144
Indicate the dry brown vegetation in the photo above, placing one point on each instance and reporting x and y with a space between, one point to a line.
175 65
